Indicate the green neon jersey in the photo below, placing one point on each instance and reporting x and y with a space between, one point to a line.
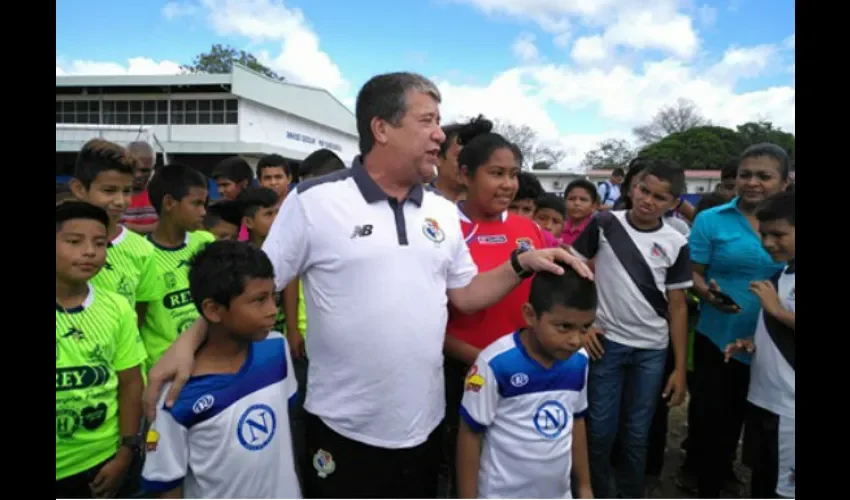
130 269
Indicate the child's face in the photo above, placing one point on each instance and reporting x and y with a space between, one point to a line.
524 208
550 220
494 184
80 249
561 331
224 231
651 199
777 237
275 178
580 204
228 189
110 190
251 315
260 224
188 213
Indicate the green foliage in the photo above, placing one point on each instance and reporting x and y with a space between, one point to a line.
220 59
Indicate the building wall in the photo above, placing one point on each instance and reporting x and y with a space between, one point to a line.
262 124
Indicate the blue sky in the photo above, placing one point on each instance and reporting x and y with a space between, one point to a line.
578 71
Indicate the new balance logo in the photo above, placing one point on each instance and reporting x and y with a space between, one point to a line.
74 333
361 231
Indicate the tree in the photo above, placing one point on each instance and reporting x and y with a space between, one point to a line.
679 117
535 154
220 59
609 153
702 148
764 131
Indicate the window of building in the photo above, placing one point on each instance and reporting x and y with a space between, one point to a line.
149 112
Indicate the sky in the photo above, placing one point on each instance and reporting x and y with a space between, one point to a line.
577 71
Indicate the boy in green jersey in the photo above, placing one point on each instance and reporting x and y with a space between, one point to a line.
103 176
178 194
98 355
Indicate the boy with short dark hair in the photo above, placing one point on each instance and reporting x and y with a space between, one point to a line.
770 426
581 200
550 214
223 220
98 354
227 434
179 195
524 202
318 163
643 270
103 176
232 175
259 206
522 432
275 173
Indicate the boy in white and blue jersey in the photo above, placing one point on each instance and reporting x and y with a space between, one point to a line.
227 435
522 432
771 416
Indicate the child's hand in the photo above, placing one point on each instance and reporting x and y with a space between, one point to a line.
739 346
111 475
676 388
766 293
296 344
593 343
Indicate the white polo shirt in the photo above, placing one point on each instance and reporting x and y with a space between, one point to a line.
375 274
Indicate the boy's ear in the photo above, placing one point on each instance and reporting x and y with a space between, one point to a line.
168 202
77 189
248 222
211 311
528 314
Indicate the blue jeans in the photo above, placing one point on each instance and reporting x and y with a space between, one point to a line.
634 379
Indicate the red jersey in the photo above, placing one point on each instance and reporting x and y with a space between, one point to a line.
491 244
140 210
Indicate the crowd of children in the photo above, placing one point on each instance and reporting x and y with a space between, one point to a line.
561 389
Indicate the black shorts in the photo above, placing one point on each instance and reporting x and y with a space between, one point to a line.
344 468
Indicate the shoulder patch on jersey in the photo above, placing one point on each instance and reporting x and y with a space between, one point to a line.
524 244
474 381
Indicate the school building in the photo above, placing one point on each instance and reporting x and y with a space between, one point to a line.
199 120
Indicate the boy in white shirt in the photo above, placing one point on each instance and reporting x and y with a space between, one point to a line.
522 431
770 426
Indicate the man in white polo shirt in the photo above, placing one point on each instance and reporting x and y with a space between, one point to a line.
380 256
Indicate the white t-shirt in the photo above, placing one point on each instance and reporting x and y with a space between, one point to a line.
375 274
634 270
227 436
526 412
772 371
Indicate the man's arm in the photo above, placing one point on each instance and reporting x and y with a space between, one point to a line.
488 288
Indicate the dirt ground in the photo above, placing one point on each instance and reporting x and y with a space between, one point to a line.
674 456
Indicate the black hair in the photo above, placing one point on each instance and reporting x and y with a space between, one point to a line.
770 150
529 187
708 200
63 191
480 149
779 206
465 132
617 172
552 202
234 168
225 210
583 184
320 162
729 171
220 270
99 155
668 171
254 198
271 161
634 170
74 209
175 180
568 290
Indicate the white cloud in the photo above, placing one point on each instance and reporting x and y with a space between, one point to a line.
707 15
300 58
134 66
174 10
525 49
637 24
589 50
